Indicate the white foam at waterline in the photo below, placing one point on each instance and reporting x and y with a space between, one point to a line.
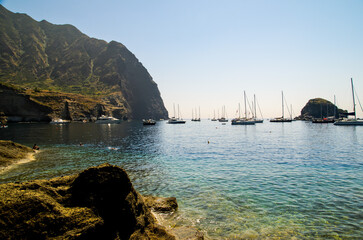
29 158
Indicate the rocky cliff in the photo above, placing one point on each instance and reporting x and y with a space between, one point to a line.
59 59
98 203
320 108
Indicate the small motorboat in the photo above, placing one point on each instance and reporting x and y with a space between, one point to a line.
107 119
148 122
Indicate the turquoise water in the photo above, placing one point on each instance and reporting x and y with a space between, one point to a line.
268 181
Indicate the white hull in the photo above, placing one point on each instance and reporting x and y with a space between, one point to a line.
107 120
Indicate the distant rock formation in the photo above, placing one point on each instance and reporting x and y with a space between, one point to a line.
320 108
38 56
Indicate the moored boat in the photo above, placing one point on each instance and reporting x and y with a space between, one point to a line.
282 119
245 120
107 119
242 121
223 118
323 120
148 122
350 121
59 121
175 120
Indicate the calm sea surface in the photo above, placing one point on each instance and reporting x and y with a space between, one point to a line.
272 180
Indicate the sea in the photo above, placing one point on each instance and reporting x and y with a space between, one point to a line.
294 180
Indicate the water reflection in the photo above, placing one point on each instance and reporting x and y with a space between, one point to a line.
271 180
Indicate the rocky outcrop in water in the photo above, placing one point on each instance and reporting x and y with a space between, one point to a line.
11 152
59 63
99 203
320 108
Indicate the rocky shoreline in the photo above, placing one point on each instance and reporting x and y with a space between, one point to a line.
11 153
98 203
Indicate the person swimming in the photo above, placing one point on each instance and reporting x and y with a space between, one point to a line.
35 147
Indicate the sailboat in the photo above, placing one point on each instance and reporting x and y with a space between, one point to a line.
255 115
282 119
350 121
243 121
214 116
196 119
175 120
322 119
223 118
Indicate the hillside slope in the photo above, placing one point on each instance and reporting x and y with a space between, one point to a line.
60 59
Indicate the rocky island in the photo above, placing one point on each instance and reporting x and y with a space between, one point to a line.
320 108
50 71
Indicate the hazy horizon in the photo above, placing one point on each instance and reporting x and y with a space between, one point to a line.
206 53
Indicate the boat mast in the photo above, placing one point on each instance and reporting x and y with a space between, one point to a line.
334 107
245 105
355 116
239 111
282 104
254 100
178 112
174 109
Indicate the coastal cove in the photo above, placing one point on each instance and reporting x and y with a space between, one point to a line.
290 180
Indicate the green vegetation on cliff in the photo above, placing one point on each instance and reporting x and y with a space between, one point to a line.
59 58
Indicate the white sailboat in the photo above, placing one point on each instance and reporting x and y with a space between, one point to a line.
214 116
282 119
175 120
350 121
255 115
196 119
223 118
245 120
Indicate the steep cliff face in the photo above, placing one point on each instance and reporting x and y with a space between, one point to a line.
59 58
26 105
19 107
320 108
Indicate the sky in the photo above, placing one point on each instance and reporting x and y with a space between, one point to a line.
206 53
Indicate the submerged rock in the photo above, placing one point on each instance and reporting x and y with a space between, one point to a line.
99 203
161 205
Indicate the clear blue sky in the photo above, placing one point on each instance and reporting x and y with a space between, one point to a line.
207 52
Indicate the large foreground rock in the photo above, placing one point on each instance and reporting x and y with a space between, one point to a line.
99 203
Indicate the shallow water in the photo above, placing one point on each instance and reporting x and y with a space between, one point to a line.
288 180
